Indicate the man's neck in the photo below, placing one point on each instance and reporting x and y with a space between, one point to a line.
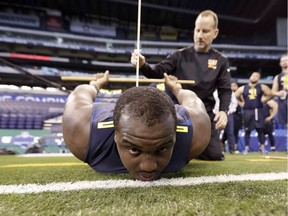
252 84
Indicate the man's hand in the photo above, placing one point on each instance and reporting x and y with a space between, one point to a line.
101 80
134 58
221 120
171 82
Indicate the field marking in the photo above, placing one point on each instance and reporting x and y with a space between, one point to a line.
264 160
43 164
84 164
46 155
107 184
276 157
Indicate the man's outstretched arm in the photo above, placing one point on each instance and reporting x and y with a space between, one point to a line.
77 114
200 119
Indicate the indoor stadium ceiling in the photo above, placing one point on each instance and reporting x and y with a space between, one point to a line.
237 17
241 22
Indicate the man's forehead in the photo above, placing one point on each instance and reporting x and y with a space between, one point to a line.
204 19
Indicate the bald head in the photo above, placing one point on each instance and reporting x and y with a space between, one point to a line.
209 13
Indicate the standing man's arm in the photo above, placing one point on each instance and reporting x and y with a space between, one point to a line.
274 109
275 86
157 71
200 119
77 114
239 96
224 94
276 90
267 92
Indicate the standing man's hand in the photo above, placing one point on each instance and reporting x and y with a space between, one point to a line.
134 58
221 120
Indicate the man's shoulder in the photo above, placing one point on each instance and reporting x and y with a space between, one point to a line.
102 111
219 53
185 50
182 113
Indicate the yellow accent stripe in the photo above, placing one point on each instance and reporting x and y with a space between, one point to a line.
101 125
108 124
182 129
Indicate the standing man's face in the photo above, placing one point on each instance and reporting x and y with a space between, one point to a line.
234 86
204 33
255 77
284 64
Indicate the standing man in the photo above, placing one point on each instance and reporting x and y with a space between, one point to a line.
270 111
253 112
210 70
237 115
280 88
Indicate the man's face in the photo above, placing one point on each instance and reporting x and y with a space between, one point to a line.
145 151
254 78
204 33
234 86
284 64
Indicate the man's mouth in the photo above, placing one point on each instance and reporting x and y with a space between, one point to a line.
146 176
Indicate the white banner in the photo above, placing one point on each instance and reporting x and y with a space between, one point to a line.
92 28
20 19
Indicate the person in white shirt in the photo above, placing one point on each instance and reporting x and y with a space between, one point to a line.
228 132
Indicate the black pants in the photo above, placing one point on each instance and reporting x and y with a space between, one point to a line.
214 149
229 133
238 123
252 122
268 129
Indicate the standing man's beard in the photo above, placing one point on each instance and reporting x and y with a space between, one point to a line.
254 82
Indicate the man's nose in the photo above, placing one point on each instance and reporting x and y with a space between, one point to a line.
200 34
148 163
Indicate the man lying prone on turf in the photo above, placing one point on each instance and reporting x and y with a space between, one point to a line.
144 133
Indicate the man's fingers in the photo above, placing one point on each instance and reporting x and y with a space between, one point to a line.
133 61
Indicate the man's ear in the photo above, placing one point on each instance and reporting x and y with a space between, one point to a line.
216 32
115 138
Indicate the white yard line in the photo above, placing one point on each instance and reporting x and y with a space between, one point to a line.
82 185
47 155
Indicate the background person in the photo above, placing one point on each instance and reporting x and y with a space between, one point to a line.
270 110
253 113
280 88
208 67
138 133
228 133
237 116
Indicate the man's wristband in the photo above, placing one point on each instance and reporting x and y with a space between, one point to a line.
94 83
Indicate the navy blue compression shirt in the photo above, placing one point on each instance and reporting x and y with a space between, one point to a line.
102 154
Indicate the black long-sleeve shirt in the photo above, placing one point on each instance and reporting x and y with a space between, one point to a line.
210 71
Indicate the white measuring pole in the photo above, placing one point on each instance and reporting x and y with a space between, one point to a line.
138 41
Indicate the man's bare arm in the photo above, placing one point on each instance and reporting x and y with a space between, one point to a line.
200 119
77 114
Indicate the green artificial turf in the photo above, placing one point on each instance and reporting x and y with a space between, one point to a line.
232 198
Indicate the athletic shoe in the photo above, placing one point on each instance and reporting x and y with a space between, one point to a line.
244 152
264 151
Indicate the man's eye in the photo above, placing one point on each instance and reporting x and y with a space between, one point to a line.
161 150
134 151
